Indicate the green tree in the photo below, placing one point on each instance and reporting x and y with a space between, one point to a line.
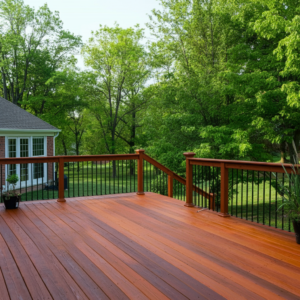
115 88
33 46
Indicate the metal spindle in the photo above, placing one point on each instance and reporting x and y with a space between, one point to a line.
264 197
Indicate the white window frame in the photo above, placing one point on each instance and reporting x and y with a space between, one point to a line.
30 180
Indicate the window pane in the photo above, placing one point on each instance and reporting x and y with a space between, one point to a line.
24 148
38 146
12 169
24 172
38 171
12 148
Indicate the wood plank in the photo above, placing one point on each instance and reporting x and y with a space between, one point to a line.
195 249
249 260
128 246
67 241
80 283
117 261
214 279
34 267
159 267
3 288
15 284
255 242
120 221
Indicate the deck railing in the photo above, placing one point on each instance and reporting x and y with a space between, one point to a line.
248 190
244 189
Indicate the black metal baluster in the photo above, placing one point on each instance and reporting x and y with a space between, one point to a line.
47 182
69 179
202 176
264 196
31 182
276 189
270 199
242 192
231 192
118 177
257 197
105 178
83 185
160 174
1 178
97 178
73 185
282 216
100 175
236 192
109 177
252 196
131 168
37 185
289 221
247 190
134 176
87 177
198 180
78 179
150 172
92 164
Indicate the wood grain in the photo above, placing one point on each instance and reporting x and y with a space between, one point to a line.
141 247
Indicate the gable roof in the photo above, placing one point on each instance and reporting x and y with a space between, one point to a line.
16 118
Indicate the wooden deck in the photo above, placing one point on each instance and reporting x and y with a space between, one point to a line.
138 247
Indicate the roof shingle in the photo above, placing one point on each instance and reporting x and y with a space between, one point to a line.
14 117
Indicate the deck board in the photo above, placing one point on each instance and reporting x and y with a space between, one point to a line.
141 247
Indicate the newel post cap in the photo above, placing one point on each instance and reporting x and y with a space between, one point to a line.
189 154
138 151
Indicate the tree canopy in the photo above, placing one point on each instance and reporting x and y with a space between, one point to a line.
220 78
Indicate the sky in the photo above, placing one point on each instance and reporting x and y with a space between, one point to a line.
83 16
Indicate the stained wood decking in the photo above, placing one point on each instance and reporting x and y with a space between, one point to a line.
138 247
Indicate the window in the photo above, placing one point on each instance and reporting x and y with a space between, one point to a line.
26 147
12 152
38 171
24 152
38 147
38 150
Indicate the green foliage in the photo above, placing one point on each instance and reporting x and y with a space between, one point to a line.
291 195
12 180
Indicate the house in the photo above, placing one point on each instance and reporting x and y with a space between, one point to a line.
25 135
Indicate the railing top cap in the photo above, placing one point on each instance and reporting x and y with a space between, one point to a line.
140 151
189 154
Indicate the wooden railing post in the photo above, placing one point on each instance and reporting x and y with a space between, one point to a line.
140 171
170 185
189 179
61 180
224 191
212 197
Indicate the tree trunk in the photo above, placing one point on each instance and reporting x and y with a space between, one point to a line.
132 141
283 152
113 151
294 148
4 85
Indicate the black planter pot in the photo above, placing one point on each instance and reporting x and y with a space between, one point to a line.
297 230
12 202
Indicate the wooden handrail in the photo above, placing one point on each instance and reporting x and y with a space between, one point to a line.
67 158
175 176
243 165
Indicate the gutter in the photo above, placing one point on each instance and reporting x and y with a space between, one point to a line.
29 130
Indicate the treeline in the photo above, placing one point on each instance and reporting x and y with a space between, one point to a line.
220 78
